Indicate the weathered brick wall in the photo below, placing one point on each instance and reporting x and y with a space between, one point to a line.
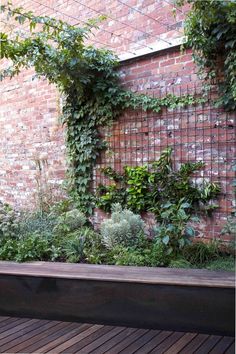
32 151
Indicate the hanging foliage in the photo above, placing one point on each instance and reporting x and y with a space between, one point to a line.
89 80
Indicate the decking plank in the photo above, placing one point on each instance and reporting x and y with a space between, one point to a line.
160 337
127 341
56 337
167 343
208 345
222 345
16 328
150 275
195 343
88 340
22 332
100 341
8 326
132 348
114 341
3 318
231 349
64 338
6 322
27 337
88 331
56 332
181 343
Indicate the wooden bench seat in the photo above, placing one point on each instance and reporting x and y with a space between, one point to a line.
159 298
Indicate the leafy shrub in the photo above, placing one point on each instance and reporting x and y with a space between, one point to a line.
153 255
128 257
123 228
70 221
198 253
41 223
8 249
173 229
31 247
9 219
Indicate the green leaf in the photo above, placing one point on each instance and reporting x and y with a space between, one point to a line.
166 239
189 231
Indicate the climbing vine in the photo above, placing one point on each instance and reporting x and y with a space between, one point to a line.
210 30
89 80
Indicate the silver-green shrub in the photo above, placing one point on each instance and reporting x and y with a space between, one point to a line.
123 228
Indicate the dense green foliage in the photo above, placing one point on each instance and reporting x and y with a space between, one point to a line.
167 192
210 30
149 188
64 234
89 80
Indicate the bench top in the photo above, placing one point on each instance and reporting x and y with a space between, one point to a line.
145 275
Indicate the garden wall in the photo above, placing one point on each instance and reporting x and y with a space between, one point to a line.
195 133
32 150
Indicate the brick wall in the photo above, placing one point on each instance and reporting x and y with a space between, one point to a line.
32 151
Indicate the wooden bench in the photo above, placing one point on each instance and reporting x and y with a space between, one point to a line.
160 298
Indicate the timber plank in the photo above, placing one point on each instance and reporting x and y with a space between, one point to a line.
27 337
6 322
8 326
22 332
132 348
127 341
222 345
231 349
160 337
79 328
165 344
100 341
115 340
3 318
150 275
56 337
55 332
16 328
195 344
181 343
208 345
88 331
88 340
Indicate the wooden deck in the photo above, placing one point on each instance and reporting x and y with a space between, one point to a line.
24 335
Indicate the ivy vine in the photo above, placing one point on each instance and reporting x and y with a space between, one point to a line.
210 29
89 80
